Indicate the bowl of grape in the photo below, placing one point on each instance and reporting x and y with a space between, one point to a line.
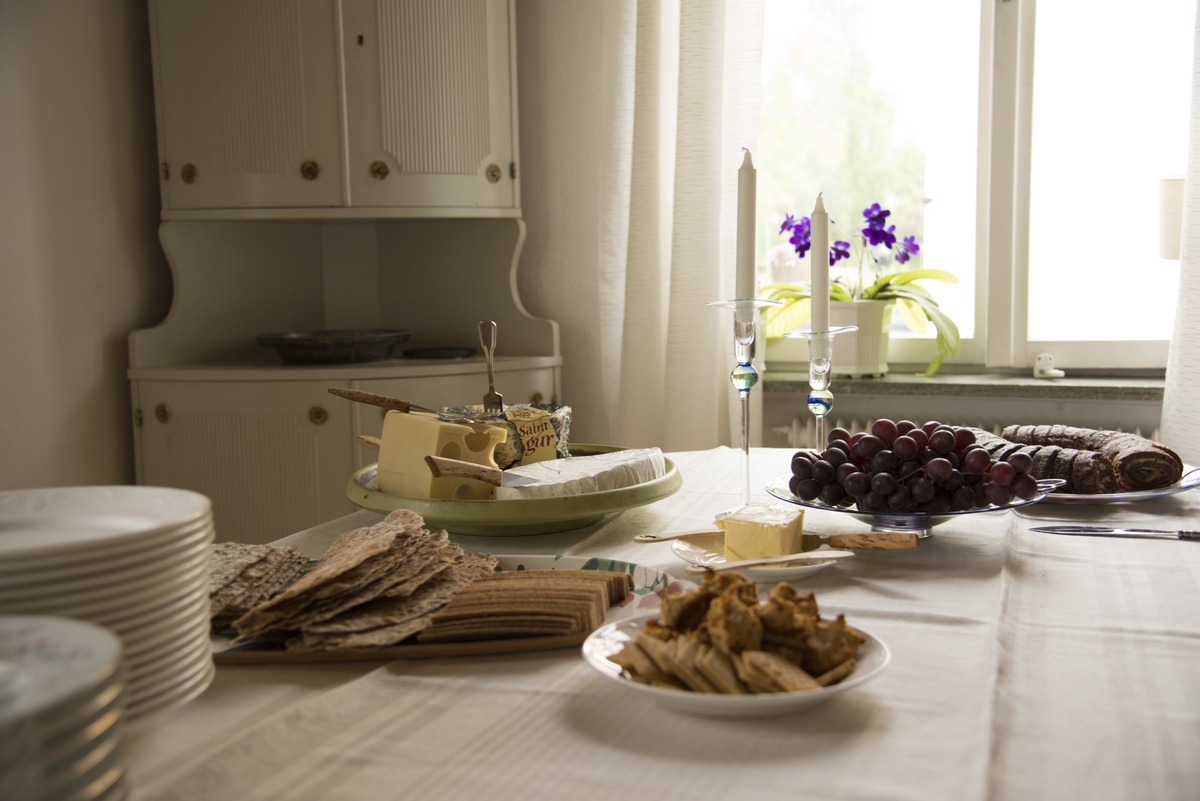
908 478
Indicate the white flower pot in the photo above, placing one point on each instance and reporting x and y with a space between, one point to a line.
861 353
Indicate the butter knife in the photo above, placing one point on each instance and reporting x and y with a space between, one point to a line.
1102 531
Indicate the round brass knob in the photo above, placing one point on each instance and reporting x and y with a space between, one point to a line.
165 170
310 170
317 415
536 397
162 413
379 170
188 173
493 173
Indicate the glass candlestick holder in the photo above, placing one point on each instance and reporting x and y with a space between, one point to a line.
744 376
820 366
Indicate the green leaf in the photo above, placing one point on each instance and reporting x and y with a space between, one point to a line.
781 319
912 315
838 292
912 275
948 337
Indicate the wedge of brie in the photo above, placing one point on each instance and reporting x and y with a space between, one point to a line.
759 530
583 474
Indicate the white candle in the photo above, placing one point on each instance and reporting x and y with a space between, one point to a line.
820 267
747 188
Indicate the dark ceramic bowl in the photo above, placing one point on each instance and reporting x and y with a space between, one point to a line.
335 347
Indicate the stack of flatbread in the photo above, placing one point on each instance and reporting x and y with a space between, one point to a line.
243 576
375 586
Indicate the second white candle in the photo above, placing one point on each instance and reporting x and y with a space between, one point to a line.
820 266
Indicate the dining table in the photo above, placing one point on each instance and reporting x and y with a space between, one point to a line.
1025 665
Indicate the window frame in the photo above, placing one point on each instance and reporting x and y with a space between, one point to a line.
1005 135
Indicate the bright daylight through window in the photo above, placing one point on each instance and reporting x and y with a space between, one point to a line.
874 101
1111 96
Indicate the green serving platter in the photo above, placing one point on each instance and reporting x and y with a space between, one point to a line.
521 517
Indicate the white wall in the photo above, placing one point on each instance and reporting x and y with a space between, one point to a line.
80 264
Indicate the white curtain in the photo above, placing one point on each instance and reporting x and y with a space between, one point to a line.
633 115
1180 426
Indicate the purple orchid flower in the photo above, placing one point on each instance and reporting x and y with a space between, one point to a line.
840 250
789 222
876 216
881 236
801 236
907 248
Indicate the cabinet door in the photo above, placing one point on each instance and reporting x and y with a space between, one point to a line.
429 102
517 386
248 104
274 456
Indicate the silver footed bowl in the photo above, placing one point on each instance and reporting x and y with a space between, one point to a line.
918 523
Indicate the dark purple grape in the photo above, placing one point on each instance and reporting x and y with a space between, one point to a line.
801 467
926 456
883 483
1021 462
858 484
996 494
941 441
832 494
953 459
963 499
930 427
963 437
847 502
1003 474
835 456
842 445
905 448
938 469
940 504
955 481
808 489
904 426
976 461
844 471
867 447
901 500
886 430
922 439
980 491
922 490
1024 486
822 471
872 502
854 438
884 462
794 484
839 433
906 469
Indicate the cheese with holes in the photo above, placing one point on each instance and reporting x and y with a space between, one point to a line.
759 530
583 474
408 438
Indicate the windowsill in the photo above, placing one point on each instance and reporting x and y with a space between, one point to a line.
910 380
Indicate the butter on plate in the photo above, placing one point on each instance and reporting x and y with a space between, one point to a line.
759 530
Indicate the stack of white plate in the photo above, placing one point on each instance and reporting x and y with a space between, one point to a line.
62 703
132 559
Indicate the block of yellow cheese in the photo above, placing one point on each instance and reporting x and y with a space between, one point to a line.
408 438
759 530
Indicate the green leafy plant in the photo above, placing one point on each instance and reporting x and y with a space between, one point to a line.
893 280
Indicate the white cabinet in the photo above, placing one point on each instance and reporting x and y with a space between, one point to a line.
247 98
429 103
274 456
319 108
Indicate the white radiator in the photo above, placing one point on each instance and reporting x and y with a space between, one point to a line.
803 431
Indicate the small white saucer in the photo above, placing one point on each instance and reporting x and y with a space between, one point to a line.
710 550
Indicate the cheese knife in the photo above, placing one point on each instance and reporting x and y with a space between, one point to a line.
787 559
898 541
1103 531
442 467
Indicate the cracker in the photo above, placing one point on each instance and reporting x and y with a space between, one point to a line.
838 673
227 560
782 672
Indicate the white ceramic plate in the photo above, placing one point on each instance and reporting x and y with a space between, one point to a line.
873 658
175 696
711 551
1190 480
44 523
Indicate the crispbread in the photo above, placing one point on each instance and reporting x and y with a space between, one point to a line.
260 579
227 560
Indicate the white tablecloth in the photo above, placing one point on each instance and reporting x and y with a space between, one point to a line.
1026 666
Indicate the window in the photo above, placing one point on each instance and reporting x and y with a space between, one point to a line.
1043 202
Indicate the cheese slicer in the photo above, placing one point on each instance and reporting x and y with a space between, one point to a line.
493 401
442 467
